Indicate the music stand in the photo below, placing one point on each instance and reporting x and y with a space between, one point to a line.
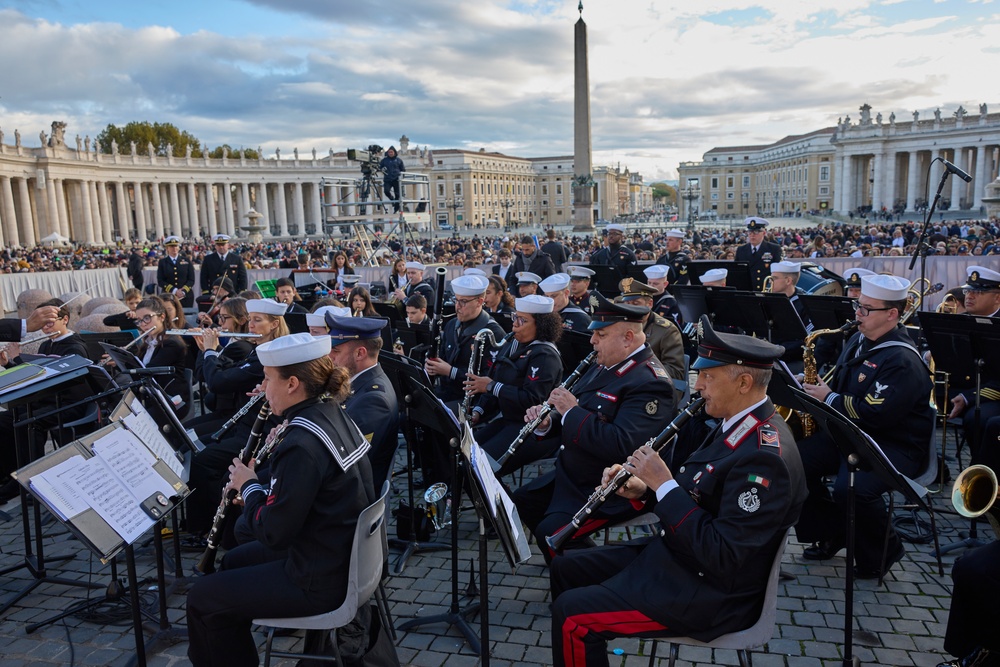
574 346
412 336
738 272
771 317
828 312
391 311
404 374
425 408
93 342
964 347
605 279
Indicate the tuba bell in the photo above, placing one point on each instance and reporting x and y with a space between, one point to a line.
975 494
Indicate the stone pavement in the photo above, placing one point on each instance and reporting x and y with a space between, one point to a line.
900 624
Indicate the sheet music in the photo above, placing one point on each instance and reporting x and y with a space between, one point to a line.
484 471
55 487
109 498
143 426
798 385
133 463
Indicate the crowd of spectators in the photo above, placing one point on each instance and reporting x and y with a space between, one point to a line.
980 237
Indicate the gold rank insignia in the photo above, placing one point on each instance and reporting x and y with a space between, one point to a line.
651 408
975 276
626 285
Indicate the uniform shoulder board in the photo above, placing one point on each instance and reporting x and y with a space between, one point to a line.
657 370
768 437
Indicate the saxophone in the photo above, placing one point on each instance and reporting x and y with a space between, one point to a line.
810 374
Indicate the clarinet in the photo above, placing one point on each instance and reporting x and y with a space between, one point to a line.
622 477
547 408
247 407
437 324
207 563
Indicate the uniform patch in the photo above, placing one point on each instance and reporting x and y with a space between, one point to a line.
651 408
757 479
594 303
657 371
697 476
534 373
879 388
869 364
709 467
767 436
748 424
748 501
610 397
861 377
626 367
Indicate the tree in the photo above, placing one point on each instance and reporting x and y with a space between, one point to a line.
217 152
144 133
666 193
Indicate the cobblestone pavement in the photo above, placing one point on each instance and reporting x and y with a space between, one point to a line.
899 624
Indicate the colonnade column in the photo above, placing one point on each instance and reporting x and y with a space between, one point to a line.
879 181
979 184
316 206
281 209
27 222
175 210
9 215
64 222
192 207
209 204
298 210
889 191
88 212
911 182
104 206
157 204
957 184
263 206
846 204
123 213
140 212
225 209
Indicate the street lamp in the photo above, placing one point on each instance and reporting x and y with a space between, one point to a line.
506 203
454 204
690 194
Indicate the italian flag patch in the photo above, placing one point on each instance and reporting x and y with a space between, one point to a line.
757 479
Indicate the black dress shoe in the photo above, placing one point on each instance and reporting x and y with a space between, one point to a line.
822 550
978 658
861 572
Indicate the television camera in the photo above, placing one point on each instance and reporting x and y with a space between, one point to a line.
369 158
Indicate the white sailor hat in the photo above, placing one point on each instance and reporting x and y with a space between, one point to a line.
981 278
885 288
266 306
714 274
318 319
293 349
416 265
351 279
755 224
674 234
172 240
615 227
221 238
580 272
528 277
469 285
853 276
534 304
785 267
554 283
657 271
475 272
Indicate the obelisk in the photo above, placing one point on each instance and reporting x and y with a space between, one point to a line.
583 181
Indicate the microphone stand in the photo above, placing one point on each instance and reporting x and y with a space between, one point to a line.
922 246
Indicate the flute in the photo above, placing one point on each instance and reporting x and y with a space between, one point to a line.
33 339
134 341
199 332
597 498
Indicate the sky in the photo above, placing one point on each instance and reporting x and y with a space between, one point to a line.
669 79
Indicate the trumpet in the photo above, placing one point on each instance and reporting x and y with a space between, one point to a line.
974 494
200 332
621 478
547 408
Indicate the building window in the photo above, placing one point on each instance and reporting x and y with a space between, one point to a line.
824 190
729 181
559 202
558 188
458 189
545 190
715 182
824 173
746 181
440 189
715 196
730 195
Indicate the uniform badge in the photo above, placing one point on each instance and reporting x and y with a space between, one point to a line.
651 408
594 303
626 285
879 388
861 377
748 501
534 373
974 276
766 257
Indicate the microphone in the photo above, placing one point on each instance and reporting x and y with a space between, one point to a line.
150 372
955 170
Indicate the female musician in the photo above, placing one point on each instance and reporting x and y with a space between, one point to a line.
524 373
341 267
236 379
233 318
361 302
498 300
177 320
159 349
284 292
397 277
320 481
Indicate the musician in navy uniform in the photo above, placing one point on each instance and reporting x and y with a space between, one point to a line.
523 373
714 278
527 283
724 511
303 517
675 258
623 398
579 287
223 264
417 285
882 385
664 303
785 276
758 253
175 274
615 253
556 287
356 342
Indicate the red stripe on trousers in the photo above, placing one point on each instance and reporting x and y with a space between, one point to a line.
624 623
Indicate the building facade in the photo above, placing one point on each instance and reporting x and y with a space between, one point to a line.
853 167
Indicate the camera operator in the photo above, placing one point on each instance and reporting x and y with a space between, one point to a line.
391 167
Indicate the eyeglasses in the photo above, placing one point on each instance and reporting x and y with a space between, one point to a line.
865 311
520 321
462 303
225 318
972 290
145 320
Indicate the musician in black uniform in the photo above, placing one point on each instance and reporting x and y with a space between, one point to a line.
556 287
784 277
223 264
527 283
175 274
972 633
882 385
372 404
523 373
233 318
758 253
499 302
724 513
664 303
625 397
579 287
304 521
662 335
675 258
615 253
853 277
285 292
532 260
417 285
62 341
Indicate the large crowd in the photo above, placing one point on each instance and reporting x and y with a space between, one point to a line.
977 237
